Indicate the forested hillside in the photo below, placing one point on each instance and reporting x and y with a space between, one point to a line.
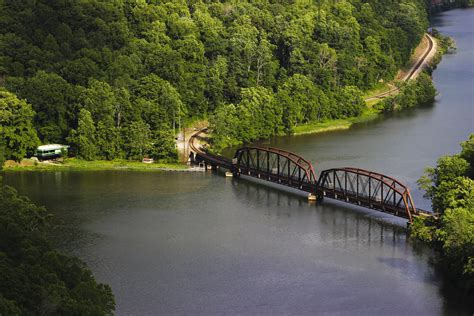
115 78
36 279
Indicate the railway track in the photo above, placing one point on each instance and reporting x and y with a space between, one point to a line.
411 74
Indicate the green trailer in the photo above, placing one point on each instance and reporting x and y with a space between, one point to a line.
51 151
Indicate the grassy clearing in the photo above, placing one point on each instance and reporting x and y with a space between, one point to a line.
332 125
371 103
378 89
73 164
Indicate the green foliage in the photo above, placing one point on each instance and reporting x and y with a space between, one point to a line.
164 61
302 101
52 99
454 193
445 45
441 182
467 153
161 102
256 116
36 279
84 137
423 228
412 93
99 100
163 147
350 102
261 114
108 141
451 188
2 154
138 140
224 122
16 126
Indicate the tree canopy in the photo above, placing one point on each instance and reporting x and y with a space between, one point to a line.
36 279
450 186
16 126
162 62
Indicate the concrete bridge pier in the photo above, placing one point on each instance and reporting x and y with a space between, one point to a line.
315 197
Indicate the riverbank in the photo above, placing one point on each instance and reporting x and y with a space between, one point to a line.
339 124
450 186
425 55
74 164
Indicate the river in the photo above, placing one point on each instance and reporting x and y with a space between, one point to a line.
200 243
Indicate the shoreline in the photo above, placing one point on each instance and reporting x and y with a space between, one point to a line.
336 124
73 164
370 113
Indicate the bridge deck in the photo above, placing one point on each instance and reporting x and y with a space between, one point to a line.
351 185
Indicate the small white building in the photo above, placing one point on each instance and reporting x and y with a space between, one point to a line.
51 151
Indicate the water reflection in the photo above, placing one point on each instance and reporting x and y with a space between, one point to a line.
183 243
346 223
220 239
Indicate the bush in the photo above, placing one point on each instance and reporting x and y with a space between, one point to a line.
417 92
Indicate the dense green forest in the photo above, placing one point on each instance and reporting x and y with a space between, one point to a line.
36 279
114 79
450 186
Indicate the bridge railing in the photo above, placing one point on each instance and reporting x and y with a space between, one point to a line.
276 165
352 185
369 189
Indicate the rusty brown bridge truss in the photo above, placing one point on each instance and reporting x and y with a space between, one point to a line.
352 185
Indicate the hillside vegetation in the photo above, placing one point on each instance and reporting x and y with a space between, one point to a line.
36 279
114 79
450 186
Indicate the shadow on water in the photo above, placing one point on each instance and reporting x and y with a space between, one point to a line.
348 223
177 243
226 231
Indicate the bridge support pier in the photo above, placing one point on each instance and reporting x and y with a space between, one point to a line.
351 185
312 197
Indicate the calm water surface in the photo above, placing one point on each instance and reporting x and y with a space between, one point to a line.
198 243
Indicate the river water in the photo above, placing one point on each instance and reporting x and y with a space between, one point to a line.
200 243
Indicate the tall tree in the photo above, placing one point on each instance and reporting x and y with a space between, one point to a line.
161 103
138 140
83 138
16 126
52 99
99 100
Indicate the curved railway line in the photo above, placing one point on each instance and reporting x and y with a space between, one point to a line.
421 62
351 185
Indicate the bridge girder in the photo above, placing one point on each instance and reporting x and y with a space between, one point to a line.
354 185
367 188
275 165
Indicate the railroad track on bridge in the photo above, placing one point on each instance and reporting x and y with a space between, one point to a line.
356 186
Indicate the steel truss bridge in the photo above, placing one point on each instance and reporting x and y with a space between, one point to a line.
351 185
